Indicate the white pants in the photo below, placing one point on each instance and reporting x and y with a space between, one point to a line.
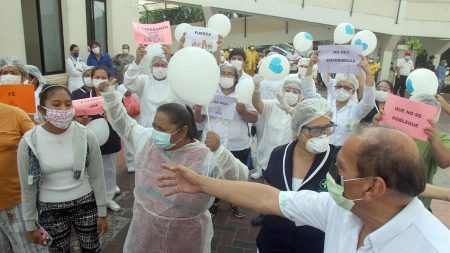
110 166
129 158
12 233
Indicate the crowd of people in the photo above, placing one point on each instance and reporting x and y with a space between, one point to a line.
331 184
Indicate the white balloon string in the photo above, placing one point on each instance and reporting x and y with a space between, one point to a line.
209 129
207 116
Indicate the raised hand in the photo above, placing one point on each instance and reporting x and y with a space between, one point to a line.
212 141
182 179
140 54
257 79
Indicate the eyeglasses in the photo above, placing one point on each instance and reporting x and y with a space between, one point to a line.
316 131
343 87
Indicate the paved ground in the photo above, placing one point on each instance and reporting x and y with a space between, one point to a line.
231 235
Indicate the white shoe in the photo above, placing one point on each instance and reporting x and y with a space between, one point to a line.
256 175
113 206
117 190
130 169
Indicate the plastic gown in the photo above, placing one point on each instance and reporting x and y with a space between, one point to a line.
181 222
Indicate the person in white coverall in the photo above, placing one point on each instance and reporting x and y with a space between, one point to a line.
152 90
346 112
179 223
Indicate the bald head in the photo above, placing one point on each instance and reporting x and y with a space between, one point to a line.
389 154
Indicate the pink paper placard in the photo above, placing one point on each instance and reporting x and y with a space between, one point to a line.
88 106
152 34
409 116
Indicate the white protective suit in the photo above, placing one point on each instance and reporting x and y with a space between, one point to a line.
178 223
151 92
74 67
275 123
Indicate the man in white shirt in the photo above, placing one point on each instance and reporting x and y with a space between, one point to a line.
404 67
375 210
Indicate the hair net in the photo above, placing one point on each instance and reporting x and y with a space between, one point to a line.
303 61
158 57
34 71
13 61
429 100
235 71
349 78
307 111
294 81
86 69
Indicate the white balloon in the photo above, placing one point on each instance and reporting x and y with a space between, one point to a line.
100 129
194 75
220 24
303 41
244 91
343 33
152 50
367 40
422 81
274 67
180 30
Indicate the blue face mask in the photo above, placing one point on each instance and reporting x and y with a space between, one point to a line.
162 139
76 54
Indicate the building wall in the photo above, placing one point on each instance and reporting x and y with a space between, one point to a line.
120 14
12 40
415 17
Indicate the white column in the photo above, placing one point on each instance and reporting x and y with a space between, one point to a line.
13 40
74 26
119 18
387 45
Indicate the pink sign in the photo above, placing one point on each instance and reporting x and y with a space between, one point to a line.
88 106
409 116
151 34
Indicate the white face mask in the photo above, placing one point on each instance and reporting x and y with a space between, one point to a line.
96 50
124 51
302 72
159 73
291 98
341 94
226 82
88 81
407 58
380 96
10 79
318 145
97 82
237 64
222 58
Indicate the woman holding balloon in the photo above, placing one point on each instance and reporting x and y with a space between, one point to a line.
169 224
346 112
152 90
234 134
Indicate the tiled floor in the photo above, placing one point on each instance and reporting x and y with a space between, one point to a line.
231 235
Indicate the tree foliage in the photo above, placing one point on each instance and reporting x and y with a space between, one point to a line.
183 14
416 46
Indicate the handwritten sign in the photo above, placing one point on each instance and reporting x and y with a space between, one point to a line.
151 34
222 107
409 116
19 95
201 37
340 59
88 106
